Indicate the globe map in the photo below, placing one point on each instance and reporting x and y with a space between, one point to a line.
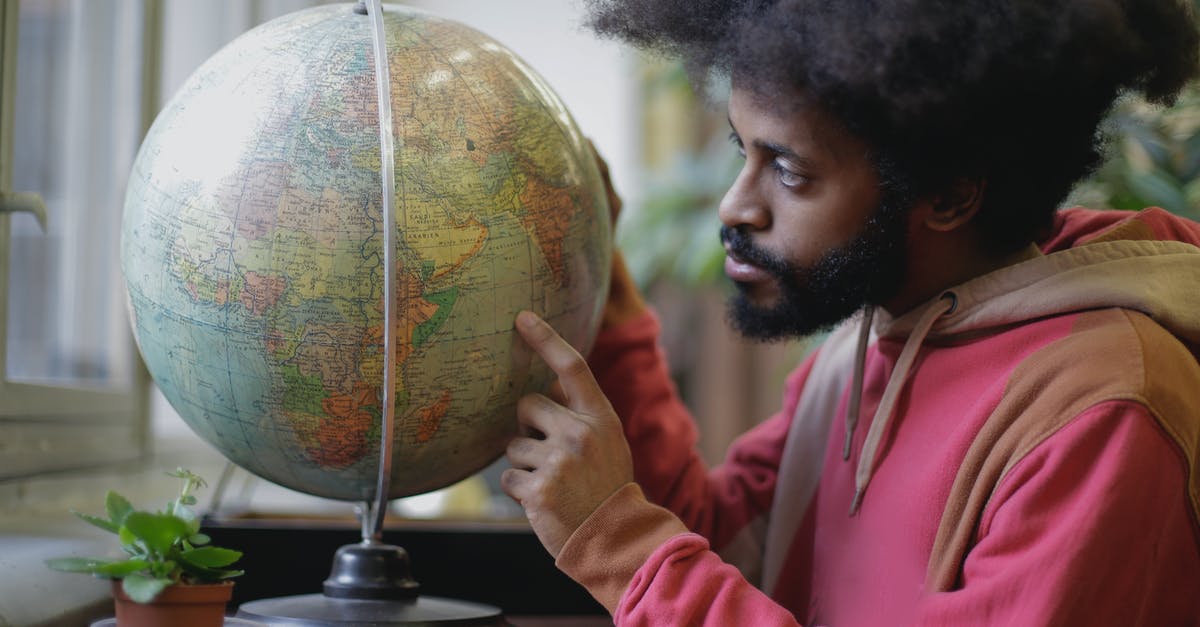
252 248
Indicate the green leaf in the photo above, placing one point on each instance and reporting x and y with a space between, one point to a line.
230 574
118 507
210 556
123 568
97 521
77 564
201 574
165 569
199 539
159 532
127 537
143 589
187 500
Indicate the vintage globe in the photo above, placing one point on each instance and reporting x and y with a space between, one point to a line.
252 248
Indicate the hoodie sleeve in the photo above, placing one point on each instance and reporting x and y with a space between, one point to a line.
1089 528
647 553
639 561
718 503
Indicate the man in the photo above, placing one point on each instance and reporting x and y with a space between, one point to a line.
1005 430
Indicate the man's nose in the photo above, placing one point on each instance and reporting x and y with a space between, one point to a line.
743 205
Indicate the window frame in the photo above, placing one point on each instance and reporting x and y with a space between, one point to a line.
47 428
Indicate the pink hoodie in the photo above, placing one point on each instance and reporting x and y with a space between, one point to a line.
1023 450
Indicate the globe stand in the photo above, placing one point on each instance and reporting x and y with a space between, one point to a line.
370 583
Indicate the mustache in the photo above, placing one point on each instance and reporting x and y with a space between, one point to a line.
741 246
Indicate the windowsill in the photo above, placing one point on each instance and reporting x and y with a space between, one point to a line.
35 595
37 525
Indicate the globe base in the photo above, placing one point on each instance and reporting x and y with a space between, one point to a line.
369 584
313 610
371 570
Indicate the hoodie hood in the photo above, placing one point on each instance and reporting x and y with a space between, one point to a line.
1147 261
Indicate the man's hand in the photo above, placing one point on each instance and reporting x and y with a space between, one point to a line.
574 454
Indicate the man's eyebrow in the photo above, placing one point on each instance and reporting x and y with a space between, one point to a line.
778 149
774 148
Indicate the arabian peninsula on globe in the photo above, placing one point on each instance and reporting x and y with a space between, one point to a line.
252 248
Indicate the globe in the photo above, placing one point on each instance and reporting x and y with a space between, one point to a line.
252 248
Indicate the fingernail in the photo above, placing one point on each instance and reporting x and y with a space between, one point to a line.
527 319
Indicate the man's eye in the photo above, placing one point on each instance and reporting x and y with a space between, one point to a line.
737 142
787 177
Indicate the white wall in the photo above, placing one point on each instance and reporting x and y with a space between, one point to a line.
594 77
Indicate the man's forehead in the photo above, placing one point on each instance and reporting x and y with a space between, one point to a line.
792 118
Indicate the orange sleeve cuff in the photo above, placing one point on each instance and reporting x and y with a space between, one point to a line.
605 552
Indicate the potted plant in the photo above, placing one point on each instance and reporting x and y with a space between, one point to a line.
170 575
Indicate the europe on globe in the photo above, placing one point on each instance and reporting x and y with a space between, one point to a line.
252 248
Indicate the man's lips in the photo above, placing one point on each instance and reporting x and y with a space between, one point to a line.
743 271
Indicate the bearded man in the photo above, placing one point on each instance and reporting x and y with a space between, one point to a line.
1003 426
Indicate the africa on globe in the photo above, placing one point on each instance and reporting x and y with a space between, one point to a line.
252 248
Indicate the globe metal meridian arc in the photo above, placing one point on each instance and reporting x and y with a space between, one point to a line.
251 248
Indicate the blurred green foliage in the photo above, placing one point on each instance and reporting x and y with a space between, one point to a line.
673 234
1154 158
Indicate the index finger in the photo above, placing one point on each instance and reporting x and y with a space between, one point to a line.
582 392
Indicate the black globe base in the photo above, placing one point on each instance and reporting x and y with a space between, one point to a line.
370 584
313 610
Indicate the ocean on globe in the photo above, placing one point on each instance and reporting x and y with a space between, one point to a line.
252 248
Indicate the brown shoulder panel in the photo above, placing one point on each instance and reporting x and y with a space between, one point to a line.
1173 387
1102 359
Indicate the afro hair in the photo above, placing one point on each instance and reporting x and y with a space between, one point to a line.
1011 92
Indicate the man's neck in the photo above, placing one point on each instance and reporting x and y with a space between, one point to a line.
929 275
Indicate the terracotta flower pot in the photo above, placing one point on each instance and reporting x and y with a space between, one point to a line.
178 606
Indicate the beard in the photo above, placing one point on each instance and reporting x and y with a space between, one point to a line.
867 270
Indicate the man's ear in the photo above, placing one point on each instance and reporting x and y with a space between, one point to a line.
956 205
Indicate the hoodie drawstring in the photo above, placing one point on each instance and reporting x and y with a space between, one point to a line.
891 393
856 385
